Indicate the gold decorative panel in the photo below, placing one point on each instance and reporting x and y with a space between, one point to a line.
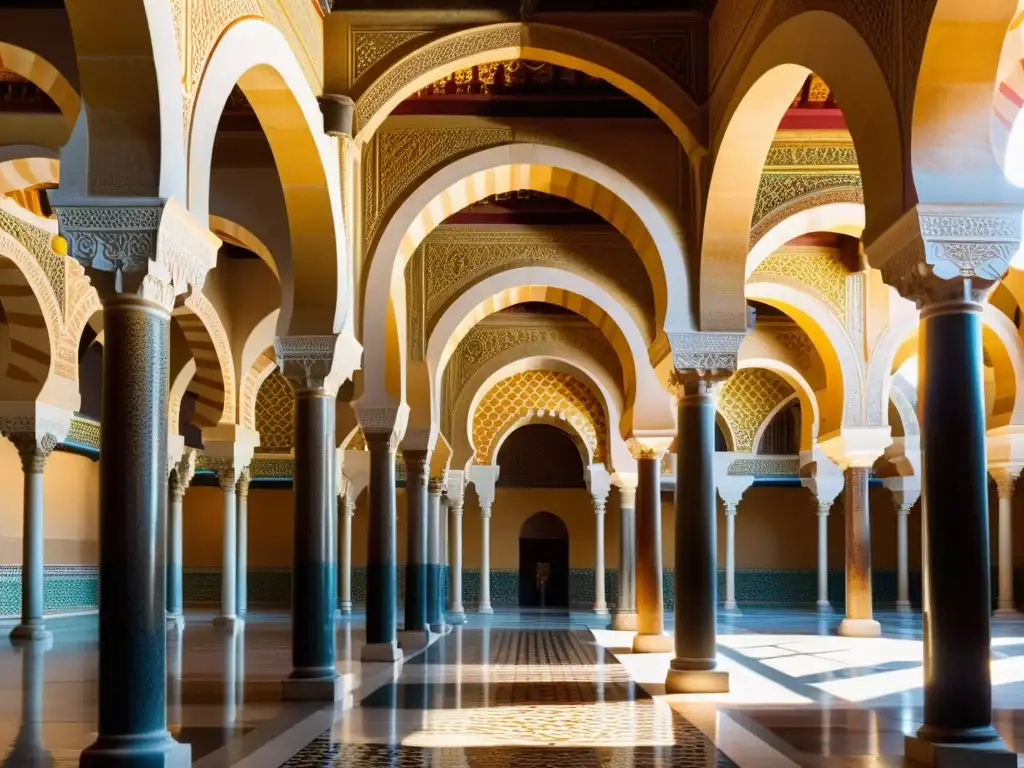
275 414
818 268
746 400
369 46
539 395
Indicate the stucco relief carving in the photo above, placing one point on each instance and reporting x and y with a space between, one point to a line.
777 189
84 432
539 394
802 203
275 414
767 467
439 54
393 160
370 46
674 51
746 400
797 342
817 269
306 361
707 353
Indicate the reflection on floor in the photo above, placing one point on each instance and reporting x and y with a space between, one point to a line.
536 689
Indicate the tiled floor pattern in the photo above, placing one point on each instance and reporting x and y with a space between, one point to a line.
512 697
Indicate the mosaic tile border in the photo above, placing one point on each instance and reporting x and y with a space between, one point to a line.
67 589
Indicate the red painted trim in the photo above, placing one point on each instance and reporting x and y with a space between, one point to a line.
1011 95
813 120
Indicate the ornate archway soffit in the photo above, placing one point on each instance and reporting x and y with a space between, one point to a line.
201 24
746 400
539 393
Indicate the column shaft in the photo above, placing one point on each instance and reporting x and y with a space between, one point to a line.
600 604
1006 481
485 560
456 612
650 596
314 546
823 602
859 621
416 540
346 554
625 609
435 611
242 585
958 686
902 566
382 552
229 553
133 475
730 557
693 670
174 549
33 462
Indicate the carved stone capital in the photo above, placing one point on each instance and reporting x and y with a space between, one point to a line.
242 485
227 473
183 472
306 361
648 449
710 356
1006 479
731 508
153 246
936 253
417 463
34 450
435 485
383 423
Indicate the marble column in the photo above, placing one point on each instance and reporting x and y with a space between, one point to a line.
600 604
382 553
347 513
313 673
29 747
957 639
730 556
625 609
823 512
859 620
33 454
228 617
484 605
175 603
1006 482
650 595
133 489
435 611
902 558
456 612
694 667
416 467
242 529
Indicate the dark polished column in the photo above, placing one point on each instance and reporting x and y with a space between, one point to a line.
958 685
133 491
859 621
29 748
650 595
625 609
382 552
313 553
435 608
416 540
693 670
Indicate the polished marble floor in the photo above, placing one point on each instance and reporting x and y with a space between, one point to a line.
519 689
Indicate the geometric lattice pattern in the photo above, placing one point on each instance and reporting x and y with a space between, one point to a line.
817 268
275 414
746 400
533 396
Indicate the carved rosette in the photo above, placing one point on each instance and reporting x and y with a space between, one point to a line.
153 246
306 361
940 253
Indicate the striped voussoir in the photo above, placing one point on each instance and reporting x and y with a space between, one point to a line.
29 360
208 383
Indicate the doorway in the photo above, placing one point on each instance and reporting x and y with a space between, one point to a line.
544 562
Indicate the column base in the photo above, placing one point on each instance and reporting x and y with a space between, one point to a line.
336 688
824 606
600 610
385 652
860 628
413 639
345 609
456 618
904 606
697 681
133 752
30 633
624 621
730 607
653 644
1008 614
931 754
484 609
228 623
175 622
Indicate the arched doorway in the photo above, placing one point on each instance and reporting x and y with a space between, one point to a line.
544 562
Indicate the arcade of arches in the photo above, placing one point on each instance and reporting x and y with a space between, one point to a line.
592 382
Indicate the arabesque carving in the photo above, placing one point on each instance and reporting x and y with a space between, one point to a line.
275 415
746 400
816 268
